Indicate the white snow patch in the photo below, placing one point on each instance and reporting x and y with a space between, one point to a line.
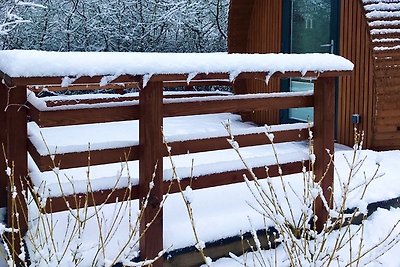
32 63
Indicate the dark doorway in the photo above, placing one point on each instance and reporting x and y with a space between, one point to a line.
309 26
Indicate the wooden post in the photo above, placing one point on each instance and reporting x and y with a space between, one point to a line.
16 117
151 147
3 144
324 138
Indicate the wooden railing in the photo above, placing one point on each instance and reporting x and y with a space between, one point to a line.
150 109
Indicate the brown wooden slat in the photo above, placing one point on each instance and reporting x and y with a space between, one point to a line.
232 177
17 210
99 115
386 53
385 43
385 26
84 116
391 128
387 18
387 135
236 105
386 113
324 130
81 159
386 35
22 81
151 170
384 73
106 156
3 144
195 146
122 99
249 75
59 203
389 144
113 86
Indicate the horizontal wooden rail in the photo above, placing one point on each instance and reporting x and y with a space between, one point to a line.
181 107
236 104
57 204
32 81
82 116
107 156
91 101
129 85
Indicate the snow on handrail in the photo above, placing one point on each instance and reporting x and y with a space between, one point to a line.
33 64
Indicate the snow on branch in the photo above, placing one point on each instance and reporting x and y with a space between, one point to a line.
11 18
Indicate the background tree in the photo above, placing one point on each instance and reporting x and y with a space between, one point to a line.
123 25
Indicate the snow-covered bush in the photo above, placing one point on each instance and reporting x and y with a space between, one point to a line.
291 211
67 238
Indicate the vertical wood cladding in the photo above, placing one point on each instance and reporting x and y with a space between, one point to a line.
263 35
356 93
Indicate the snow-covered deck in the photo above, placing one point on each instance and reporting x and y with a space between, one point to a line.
22 69
68 139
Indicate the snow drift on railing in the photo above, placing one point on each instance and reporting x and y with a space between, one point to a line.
31 63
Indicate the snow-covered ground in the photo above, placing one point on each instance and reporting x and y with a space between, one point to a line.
376 228
225 211
219 212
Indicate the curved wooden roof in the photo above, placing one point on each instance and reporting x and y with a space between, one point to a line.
255 27
383 19
240 13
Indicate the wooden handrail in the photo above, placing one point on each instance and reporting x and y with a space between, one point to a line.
128 85
115 155
32 81
182 107
210 180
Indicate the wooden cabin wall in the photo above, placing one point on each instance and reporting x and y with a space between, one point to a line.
386 79
356 93
263 36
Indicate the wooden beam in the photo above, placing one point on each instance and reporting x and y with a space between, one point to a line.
218 143
81 159
3 145
232 177
16 117
24 81
57 204
324 138
236 104
123 98
118 86
106 156
249 75
83 116
151 170
192 106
